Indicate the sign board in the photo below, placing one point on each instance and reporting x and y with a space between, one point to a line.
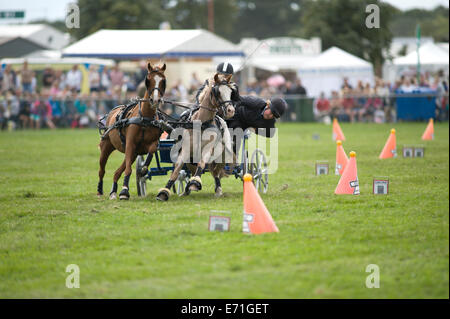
381 186
322 168
408 151
419 151
413 151
12 14
219 223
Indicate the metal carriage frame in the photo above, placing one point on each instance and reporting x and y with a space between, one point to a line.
256 165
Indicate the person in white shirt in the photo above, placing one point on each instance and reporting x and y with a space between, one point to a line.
94 79
74 78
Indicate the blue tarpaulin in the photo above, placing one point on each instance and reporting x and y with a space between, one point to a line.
416 105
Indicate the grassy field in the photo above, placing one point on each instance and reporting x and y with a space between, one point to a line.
50 217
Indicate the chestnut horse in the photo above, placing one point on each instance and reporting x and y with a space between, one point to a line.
134 133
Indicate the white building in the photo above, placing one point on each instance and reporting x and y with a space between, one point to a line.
41 34
408 44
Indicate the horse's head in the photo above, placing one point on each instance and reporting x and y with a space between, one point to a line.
155 82
221 90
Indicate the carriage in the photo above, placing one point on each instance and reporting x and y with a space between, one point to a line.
256 165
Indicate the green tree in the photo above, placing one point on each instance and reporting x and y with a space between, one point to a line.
266 18
434 23
341 23
120 14
193 14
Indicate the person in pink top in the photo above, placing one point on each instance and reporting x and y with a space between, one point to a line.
116 77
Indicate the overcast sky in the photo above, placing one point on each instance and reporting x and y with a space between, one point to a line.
55 9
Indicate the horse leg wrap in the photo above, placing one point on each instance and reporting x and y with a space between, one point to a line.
113 188
125 194
163 194
169 184
198 172
217 181
100 188
126 181
148 160
195 180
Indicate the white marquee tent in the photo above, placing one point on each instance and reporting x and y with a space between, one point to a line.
325 72
141 44
432 58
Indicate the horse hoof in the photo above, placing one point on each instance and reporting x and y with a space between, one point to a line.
113 196
219 192
163 195
99 194
124 194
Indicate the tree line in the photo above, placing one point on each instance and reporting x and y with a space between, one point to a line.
337 22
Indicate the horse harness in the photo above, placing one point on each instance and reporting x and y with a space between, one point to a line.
122 121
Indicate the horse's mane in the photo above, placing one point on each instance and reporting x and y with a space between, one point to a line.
206 89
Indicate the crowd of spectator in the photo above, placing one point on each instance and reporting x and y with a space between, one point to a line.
58 100
366 103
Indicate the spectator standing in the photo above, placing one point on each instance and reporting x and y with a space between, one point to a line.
26 78
94 79
48 77
116 77
74 78
322 108
105 80
194 84
25 111
299 88
8 79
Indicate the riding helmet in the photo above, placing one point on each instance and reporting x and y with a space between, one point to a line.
278 106
225 68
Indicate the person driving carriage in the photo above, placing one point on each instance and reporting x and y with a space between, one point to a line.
250 111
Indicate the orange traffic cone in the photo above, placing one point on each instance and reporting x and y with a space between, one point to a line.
429 131
341 158
257 218
348 183
337 132
390 148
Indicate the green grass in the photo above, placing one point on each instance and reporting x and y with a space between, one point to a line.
50 217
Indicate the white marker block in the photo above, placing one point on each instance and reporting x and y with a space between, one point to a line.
419 151
322 168
381 186
219 223
408 151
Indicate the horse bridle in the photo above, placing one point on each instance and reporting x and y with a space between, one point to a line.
150 92
215 94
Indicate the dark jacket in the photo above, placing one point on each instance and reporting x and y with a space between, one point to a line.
248 113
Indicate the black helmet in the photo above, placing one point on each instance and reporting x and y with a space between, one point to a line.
225 68
278 106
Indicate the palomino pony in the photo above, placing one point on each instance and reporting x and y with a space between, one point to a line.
133 131
216 96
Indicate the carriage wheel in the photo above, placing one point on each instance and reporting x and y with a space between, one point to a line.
141 181
258 169
180 183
